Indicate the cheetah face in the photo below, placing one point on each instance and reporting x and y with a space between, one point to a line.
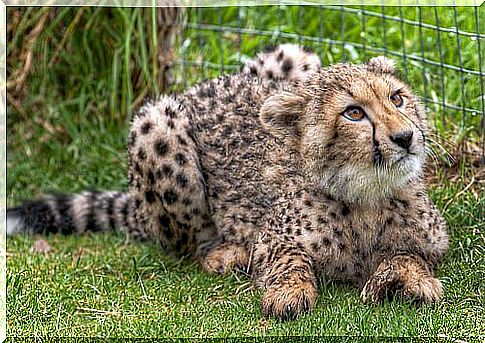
359 130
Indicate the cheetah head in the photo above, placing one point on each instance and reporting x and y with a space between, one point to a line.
358 130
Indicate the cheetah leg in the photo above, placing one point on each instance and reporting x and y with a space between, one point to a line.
288 277
403 274
165 179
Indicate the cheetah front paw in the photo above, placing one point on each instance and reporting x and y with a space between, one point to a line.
380 283
287 302
408 280
426 290
225 258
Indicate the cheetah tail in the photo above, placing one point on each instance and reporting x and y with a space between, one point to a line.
72 213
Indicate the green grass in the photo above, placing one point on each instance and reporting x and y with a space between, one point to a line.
67 132
101 285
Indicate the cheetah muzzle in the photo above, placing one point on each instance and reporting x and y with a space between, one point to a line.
287 171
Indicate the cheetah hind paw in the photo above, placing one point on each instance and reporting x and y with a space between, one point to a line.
225 258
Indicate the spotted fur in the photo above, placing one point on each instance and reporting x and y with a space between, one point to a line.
286 62
273 178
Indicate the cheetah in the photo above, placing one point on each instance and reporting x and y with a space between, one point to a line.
292 181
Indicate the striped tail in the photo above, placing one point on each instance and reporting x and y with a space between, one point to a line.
73 213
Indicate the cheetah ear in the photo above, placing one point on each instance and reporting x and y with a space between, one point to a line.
280 115
381 64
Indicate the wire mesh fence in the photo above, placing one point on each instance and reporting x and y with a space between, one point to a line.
439 51
111 58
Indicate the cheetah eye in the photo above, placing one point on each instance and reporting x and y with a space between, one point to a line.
396 99
354 113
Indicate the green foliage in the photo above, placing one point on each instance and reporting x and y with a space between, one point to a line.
67 129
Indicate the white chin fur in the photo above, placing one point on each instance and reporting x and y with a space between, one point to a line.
14 225
367 185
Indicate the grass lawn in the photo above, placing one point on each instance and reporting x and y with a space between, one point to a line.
67 129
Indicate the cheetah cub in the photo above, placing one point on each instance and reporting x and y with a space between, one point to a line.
292 180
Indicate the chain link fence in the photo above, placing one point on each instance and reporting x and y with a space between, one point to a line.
439 51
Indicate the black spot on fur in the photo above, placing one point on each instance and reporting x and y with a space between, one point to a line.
270 75
170 197
171 124
186 201
181 243
390 221
337 231
181 140
345 210
180 159
170 112
132 138
151 177
166 171
280 56
138 168
326 241
142 155
287 66
146 127
164 220
165 224
182 180
161 148
253 70
308 203
150 197
196 211
321 220
187 217
137 203
315 246
227 82
355 235
305 67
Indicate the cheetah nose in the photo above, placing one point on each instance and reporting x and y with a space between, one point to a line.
403 139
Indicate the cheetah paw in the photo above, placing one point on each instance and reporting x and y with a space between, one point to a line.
225 258
427 290
380 283
285 302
